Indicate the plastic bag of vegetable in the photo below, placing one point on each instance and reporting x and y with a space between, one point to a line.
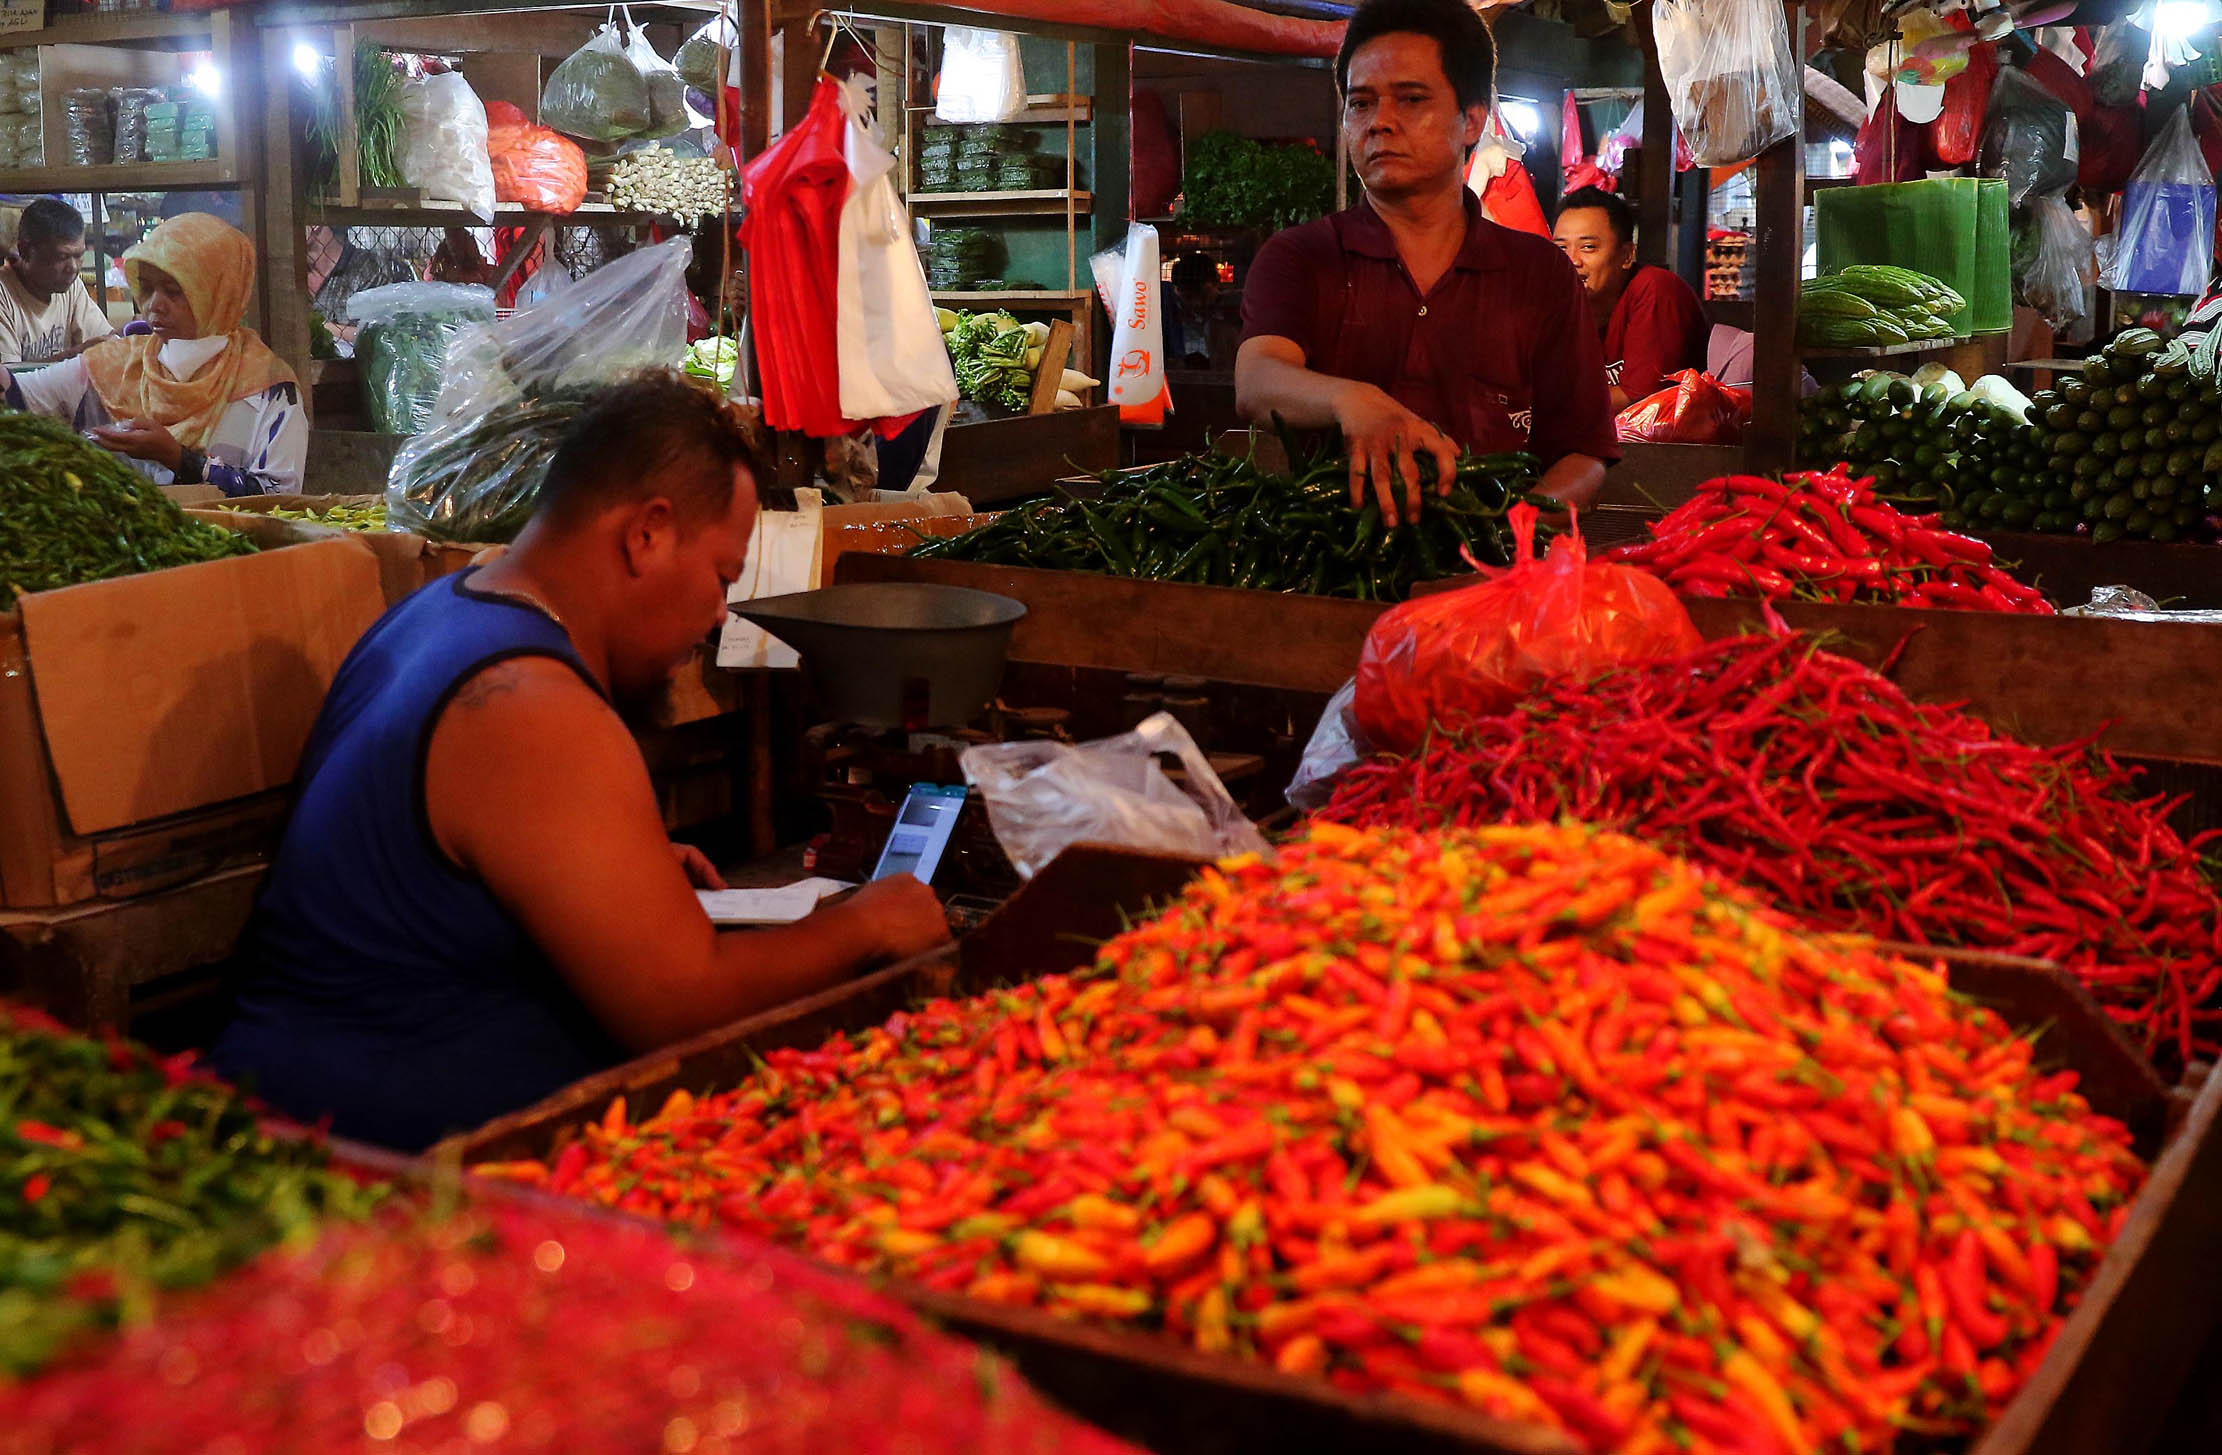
2029 139
699 59
667 93
2166 240
513 386
1733 83
2055 266
534 166
597 93
1458 655
402 349
445 155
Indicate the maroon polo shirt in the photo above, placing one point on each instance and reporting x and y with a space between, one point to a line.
1502 353
1657 330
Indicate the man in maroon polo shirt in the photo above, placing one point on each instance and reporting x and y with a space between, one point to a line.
1412 323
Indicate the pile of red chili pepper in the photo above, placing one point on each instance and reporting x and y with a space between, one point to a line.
123 1173
1821 537
513 1329
1535 1119
1814 780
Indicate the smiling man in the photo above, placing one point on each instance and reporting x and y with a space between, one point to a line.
1411 323
1651 323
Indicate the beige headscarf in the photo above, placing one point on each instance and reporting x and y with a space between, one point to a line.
214 265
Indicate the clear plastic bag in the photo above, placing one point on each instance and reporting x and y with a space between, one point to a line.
597 93
1335 748
402 349
1734 86
1451 657
2166 240
445 154
982 78
667 92
513 387
699 59
2029 139
1043 797
2057 264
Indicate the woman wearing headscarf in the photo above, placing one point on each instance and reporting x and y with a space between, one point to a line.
200 399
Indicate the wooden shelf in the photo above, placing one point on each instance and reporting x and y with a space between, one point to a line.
444 214
115 29
1002 204
132 177
1052 109
1884 351
1017 295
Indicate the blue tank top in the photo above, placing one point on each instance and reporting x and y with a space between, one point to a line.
388 989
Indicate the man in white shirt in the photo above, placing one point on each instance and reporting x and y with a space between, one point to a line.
45 313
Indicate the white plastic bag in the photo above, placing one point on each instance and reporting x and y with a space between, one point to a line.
513 387
445 156
981 77
1043 797
2166 241
892 358
1336 746
1733 84
597 93
667 92
2056 281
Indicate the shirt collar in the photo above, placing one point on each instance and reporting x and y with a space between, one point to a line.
1365 234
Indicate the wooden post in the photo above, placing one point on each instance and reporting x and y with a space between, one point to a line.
798 70
755 21
1778 192
284 269
1654 211
1055 352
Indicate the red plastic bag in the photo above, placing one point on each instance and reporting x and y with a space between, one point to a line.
1889 148
1448 658
1698 410
533 166
1957 133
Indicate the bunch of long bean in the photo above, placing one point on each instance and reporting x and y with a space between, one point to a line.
1219 520
70 512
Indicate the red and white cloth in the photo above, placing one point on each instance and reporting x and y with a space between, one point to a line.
804 240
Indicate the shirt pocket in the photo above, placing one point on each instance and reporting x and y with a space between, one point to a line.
1497 416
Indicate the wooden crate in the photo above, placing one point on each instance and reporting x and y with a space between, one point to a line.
2115 1368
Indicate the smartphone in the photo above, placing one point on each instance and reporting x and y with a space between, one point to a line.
921 832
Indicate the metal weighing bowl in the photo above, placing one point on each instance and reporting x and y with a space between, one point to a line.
895 654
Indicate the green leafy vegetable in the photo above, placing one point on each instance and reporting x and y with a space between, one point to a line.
1232 181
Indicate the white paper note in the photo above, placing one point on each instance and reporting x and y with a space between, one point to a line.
781 906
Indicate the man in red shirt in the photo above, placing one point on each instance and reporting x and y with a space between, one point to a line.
1651 321
1412 323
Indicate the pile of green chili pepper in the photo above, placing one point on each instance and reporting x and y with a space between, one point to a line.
1220 520
123 1173
70 512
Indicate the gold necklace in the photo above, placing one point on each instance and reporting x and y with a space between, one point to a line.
526 598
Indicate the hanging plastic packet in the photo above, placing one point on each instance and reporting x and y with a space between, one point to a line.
705 56
2054 265
667 91
597 93
982 78
1734 86
445 155
2166 240
2030 139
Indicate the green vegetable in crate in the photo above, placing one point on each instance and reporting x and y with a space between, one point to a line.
1218 520
2131 442
481 482
994 356
370 515
70 512
123 1174
1926 441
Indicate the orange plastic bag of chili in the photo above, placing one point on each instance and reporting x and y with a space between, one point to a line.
533 166
1697 410
1444 659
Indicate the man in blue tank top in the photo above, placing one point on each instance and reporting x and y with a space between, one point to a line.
475 902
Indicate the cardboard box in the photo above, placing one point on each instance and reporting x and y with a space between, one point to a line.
404 562
892 527
149 725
